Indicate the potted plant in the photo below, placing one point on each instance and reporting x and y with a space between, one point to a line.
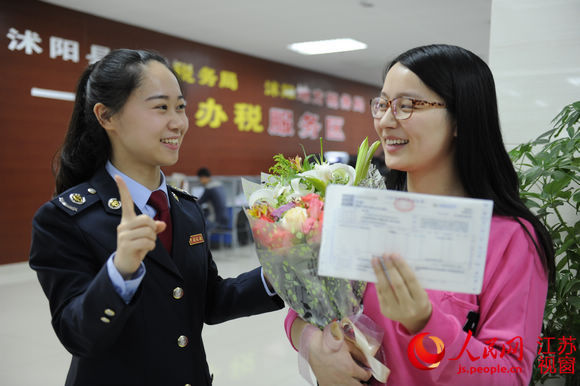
549 175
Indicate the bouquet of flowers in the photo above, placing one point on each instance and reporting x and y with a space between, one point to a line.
286 214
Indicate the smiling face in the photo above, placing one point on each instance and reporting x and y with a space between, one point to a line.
148 131
422 144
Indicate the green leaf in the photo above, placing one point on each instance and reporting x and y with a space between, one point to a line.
319 185
561 264
574 301
533 173
570 131
530 203
566 290
532 158
554 186
565 194
558 174
515 153
525 193
363 160
567 244
362 150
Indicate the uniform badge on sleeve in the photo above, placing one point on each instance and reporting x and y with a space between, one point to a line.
196 239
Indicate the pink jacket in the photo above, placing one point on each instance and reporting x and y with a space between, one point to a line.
511 306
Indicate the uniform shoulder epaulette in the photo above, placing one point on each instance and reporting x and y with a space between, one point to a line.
76 199
181 193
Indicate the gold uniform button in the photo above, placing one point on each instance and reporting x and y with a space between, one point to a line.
104 319
109 312
182 341
178 293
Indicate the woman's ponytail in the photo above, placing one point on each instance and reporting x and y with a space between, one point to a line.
86 146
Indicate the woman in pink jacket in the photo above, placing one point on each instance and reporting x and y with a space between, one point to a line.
438 123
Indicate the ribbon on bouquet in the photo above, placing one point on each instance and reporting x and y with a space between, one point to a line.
368 347
367 343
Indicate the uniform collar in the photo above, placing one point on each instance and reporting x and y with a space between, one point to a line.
139 193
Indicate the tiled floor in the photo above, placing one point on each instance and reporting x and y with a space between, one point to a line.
250 351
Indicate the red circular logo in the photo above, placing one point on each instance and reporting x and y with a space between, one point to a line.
420 357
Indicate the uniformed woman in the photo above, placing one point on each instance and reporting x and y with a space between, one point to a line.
121 256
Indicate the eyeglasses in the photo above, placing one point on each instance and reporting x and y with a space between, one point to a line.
401 107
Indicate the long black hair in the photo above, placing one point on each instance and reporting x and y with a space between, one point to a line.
466 84
86 146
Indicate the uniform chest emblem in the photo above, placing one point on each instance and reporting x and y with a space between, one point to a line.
77 198
196 239
114 203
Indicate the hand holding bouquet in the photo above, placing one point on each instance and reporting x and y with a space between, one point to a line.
286 215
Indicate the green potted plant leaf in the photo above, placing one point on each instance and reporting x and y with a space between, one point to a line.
549 174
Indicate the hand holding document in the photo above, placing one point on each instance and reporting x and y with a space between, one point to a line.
443 239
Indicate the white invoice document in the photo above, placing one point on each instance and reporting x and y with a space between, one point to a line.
443 239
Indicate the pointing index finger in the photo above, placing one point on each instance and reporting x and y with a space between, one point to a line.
128 212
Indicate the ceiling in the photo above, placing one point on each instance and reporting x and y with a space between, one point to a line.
264 28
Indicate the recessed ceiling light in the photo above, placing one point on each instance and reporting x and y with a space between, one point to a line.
327 46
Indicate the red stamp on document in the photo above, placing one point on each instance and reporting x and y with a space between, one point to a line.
404 204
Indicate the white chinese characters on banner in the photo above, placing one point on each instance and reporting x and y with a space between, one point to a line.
345 101
67 49
303 93
317 97
309 125
97 53
332 100
358 104
281 122
333 125
28 41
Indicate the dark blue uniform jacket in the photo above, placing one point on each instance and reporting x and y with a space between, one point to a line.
156 338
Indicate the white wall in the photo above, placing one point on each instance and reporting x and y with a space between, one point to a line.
535 59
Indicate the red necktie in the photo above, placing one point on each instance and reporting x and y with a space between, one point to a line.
158 200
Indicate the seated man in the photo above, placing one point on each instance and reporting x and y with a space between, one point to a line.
215 195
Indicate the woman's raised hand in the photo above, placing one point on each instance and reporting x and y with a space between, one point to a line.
136 235
400 295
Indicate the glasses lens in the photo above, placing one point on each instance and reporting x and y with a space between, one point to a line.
378 107
403 108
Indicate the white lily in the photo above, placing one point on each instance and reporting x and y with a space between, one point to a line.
320 172
262 195
280 190
342 174
299 188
